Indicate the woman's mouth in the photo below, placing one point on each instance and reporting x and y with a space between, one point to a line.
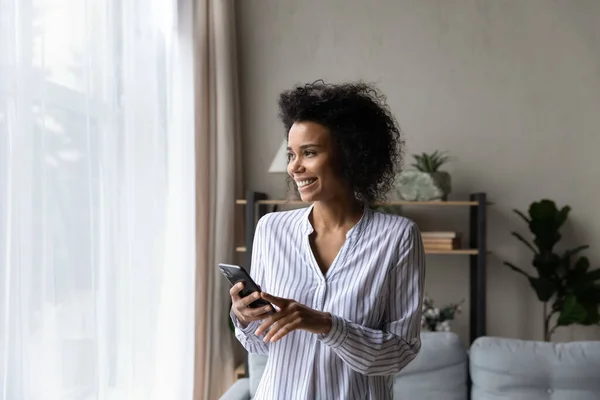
305 182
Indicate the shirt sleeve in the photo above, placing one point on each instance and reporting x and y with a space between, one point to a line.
386 351
251 342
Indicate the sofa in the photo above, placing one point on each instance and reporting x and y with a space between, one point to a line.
492 368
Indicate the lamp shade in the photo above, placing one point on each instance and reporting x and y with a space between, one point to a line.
279 163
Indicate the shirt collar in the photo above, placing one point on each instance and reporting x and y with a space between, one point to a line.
354 231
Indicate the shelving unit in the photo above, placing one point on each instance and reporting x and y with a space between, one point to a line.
256 205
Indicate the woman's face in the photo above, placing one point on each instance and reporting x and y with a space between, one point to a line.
312 163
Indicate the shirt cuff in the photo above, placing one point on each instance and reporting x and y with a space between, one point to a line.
338 333
248 330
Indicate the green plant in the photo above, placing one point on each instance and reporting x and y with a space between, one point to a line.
432 162
438 319
563 282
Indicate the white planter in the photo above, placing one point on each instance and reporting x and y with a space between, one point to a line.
423 186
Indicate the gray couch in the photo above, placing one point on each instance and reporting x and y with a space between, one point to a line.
499 368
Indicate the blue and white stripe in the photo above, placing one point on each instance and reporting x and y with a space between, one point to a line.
373 289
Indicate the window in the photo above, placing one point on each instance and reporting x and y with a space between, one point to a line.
96 239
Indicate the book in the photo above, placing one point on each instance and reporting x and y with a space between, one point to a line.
441 243
439 235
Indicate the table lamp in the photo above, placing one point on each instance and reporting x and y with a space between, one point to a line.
279 163
279 166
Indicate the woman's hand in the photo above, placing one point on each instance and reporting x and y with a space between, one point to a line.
240 305
291 316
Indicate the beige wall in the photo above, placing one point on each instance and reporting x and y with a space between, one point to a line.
510 88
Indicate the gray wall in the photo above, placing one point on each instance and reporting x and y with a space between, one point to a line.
510 88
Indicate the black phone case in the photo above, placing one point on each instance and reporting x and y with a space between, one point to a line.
235 275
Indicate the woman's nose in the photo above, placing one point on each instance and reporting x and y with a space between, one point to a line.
295 165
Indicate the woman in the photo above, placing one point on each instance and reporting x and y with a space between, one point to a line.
346 281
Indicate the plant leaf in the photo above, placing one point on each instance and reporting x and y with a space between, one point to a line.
576 277
517 269
522 239
562 215
593 276
572 252
429 164
593 316
520 214
572 312
582 265
544 288
590 295
546 222
547 264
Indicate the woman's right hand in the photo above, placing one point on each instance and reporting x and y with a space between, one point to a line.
240 308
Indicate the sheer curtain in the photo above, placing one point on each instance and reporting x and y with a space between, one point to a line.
97 209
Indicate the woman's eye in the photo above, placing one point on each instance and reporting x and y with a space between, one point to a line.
309 153
289 156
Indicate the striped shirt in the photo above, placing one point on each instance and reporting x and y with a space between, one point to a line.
373 290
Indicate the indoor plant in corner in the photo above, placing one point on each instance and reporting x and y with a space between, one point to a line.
426 182
565 283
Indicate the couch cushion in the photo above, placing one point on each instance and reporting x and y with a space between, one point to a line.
503 368
237 391
439 371
256 367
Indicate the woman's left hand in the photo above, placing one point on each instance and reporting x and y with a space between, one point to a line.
291 316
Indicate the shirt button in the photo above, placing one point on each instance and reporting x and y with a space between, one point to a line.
550 391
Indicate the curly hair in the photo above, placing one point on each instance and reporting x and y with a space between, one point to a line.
366 134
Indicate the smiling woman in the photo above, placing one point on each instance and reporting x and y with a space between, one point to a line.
347 281
352 121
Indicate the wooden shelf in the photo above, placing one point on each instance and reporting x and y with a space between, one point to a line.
242 249
390 203
455 252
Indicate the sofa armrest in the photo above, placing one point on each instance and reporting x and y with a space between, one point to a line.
240 390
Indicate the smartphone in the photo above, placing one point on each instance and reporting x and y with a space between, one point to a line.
235 274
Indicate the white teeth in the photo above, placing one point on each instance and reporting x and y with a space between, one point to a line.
306 182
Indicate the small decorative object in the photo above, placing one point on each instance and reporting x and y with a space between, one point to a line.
564 283
438 319
426 182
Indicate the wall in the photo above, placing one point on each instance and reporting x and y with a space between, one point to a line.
510 88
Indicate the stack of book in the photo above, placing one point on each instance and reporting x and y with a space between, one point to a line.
440 241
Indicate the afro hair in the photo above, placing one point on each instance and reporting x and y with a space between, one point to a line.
365 133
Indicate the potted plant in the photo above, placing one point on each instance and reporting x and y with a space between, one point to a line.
426 182
435 319
565 283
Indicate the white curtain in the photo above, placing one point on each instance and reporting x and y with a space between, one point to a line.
97 209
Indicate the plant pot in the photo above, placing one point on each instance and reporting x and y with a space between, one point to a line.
423 186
